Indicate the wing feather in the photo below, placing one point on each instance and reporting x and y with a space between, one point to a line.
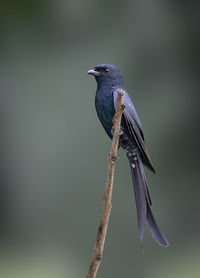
131 123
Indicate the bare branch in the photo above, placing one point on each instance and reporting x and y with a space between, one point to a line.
107 195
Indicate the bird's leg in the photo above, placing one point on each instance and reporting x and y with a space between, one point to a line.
112 130
120 131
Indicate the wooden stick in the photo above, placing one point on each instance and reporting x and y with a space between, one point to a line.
107 195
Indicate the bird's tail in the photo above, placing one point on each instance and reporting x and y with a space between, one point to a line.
143 200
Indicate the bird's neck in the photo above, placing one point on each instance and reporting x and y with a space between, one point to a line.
110 85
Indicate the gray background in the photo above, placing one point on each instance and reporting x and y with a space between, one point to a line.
54 150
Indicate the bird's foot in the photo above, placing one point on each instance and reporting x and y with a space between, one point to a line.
119 132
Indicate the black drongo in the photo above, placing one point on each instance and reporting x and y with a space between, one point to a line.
109 82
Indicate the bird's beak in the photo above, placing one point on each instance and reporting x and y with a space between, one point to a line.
93 72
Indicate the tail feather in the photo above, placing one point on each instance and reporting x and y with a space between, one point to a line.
140 198
154 229
143 201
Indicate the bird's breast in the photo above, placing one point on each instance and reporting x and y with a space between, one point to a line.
105 108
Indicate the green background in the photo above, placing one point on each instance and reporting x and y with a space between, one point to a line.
53 161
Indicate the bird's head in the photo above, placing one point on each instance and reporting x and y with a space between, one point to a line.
106 73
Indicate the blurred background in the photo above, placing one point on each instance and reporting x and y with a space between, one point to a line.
53 150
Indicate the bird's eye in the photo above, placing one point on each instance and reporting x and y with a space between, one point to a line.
106 70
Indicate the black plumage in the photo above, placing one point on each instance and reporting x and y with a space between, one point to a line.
109 82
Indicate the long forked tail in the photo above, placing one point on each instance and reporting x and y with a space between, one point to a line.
143 200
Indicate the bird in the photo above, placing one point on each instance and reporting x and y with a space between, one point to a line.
109 82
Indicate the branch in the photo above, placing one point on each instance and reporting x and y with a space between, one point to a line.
107 195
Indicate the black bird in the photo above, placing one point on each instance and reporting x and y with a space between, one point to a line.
109 81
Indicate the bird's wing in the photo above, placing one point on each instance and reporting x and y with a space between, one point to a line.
132 125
